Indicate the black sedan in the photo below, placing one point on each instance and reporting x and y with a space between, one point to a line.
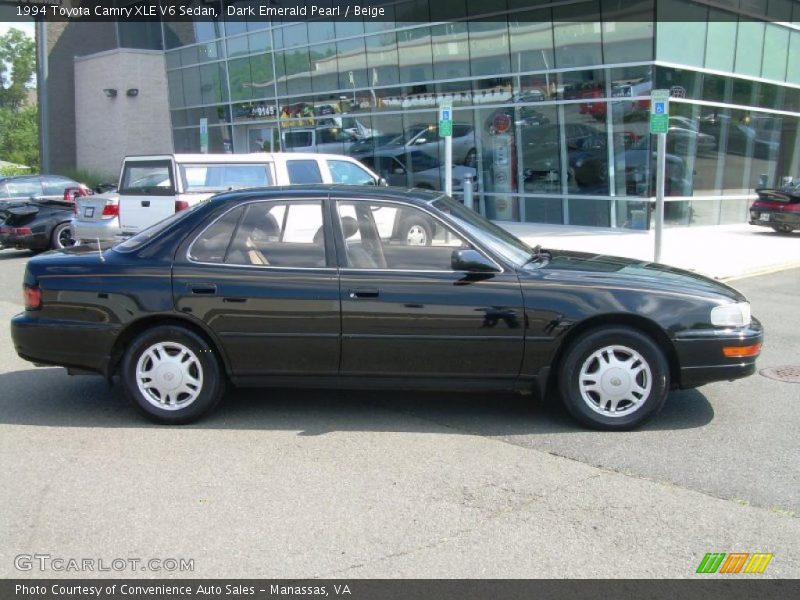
304 286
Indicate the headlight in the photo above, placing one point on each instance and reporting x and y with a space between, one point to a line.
731 315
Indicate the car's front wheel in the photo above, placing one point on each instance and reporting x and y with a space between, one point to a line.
614 378
172 375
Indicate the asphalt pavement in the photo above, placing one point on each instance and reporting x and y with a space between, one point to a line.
287 483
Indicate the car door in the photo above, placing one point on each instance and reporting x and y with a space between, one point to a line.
147 193
261 278
408 316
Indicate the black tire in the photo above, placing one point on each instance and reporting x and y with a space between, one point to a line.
59 235
581 354
416 231
205 360
782 228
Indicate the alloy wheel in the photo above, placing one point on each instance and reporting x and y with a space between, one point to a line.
169 376
615 381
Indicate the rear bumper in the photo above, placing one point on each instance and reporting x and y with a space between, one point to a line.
32 241
106 229
776 218
85 346
701 358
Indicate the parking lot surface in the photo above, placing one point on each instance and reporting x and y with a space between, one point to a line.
288 483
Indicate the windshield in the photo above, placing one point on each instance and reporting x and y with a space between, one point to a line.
493 236
144 236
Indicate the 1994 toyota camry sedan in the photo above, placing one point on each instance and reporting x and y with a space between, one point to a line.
313 286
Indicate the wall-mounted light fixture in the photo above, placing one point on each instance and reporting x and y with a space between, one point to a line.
110 92
132 92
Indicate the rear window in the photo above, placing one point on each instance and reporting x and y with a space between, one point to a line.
148 177
303 171
223 177
140 239
24 187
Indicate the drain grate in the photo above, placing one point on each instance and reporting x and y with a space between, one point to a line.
786 373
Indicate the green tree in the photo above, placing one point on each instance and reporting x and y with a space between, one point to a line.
19 122
19 136
17 68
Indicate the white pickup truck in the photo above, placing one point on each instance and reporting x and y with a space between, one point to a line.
152 188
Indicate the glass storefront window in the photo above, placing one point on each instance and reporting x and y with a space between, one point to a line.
324 67
488 48
577 34
450 46
531 40
415 55
682 42
382 59
720 41
352 64
627 30
749 47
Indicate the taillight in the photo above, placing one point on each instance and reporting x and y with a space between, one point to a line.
33 297
111 210
15 230
181 205
792 207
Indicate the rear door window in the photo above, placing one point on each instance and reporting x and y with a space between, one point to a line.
148 177
213 244
221 177
279 234
303 171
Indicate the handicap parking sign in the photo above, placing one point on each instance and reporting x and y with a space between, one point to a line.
659 108
445 115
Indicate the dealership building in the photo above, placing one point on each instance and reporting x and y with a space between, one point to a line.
550 99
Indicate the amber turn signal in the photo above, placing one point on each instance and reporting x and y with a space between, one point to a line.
742 351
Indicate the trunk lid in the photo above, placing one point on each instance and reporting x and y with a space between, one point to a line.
90 208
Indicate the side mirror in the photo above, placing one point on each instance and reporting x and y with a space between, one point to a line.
421 141
471 261
382 182
399 171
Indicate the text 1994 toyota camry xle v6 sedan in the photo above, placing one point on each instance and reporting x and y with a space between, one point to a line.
299 287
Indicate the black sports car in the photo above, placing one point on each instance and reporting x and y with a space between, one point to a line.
304 286
36 224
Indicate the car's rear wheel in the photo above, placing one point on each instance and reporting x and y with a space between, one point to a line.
172 375
782 228
614 378
62 236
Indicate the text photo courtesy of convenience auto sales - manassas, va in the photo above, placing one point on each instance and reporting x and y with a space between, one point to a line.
399 299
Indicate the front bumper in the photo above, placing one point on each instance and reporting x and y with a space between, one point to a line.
76 345
701 358
106 230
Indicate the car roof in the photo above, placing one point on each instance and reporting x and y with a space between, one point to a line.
335 192
254 157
